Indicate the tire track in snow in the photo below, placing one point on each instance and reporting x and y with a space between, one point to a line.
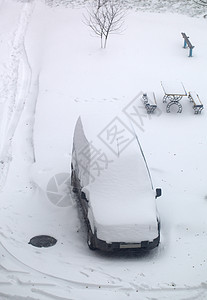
53 287
18 279
16 88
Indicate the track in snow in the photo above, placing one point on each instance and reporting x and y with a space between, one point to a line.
17 83
19 280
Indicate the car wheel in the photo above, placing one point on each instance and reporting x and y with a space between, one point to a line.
91 240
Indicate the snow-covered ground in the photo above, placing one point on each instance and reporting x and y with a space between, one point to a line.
51 71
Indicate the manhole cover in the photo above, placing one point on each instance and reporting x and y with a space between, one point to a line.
43 241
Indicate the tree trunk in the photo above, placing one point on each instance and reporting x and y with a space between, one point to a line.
105 42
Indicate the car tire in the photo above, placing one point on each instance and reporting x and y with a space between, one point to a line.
91 240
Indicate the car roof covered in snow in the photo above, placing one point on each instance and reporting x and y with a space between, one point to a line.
119 179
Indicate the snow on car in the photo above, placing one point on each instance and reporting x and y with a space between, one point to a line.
114 186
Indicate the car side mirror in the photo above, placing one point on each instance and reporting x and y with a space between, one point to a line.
158 193
83 196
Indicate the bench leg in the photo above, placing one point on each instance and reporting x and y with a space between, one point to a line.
174 103
190 98
145 100
185 44
197 110
150 108
165 99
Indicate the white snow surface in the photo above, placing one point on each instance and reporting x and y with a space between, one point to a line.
52 70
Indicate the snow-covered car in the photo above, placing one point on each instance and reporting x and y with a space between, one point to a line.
114 186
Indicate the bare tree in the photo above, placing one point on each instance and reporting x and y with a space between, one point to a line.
201 2
104 18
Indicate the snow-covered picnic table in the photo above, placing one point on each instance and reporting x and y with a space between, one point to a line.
174 92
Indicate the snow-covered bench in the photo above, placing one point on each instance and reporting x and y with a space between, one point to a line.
187 42
197 104
150 102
